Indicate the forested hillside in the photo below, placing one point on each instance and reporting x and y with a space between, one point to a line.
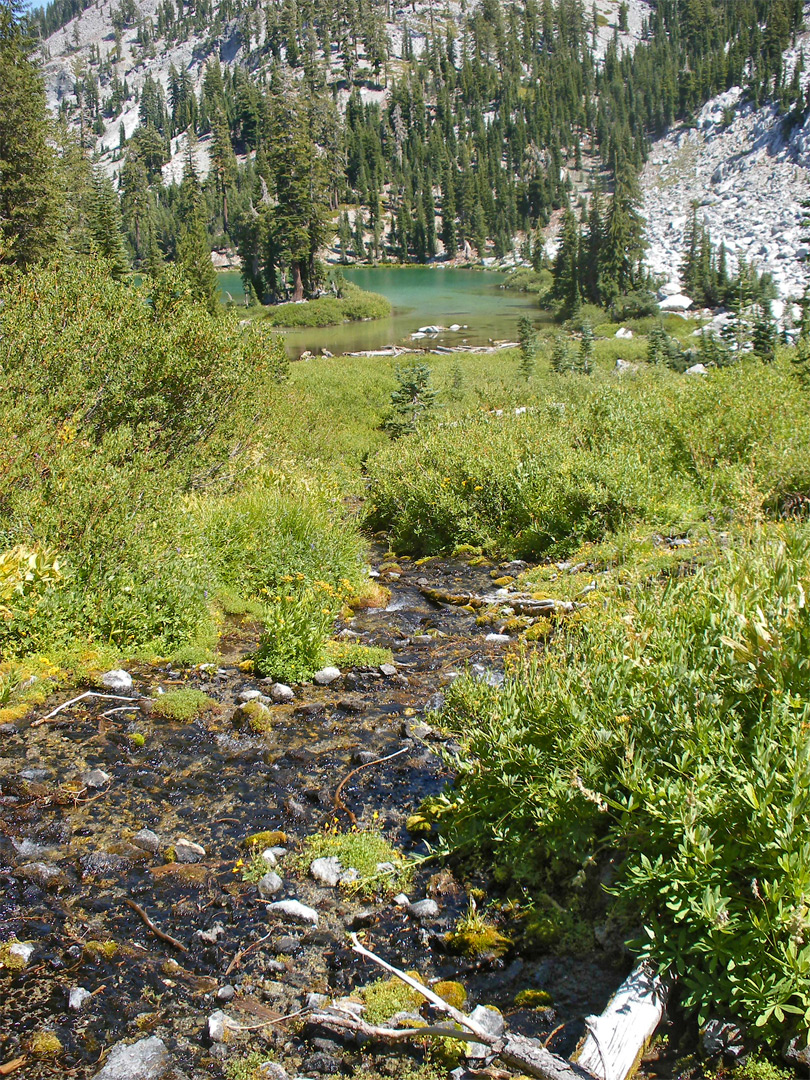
404 133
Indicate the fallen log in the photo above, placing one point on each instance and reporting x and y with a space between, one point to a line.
616 1039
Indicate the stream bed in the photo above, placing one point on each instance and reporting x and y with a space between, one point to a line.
76 793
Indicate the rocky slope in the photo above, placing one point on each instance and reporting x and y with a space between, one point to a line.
748 177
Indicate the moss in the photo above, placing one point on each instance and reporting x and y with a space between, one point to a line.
370 595
267 839
384 998
100 950
514 624
460 550
539 630
418 823
452 992
480 560
170 855
248 1067
474 936
503 581
533 999
8 959
256 715
136 739
45 1046
182 705
349 654
364 851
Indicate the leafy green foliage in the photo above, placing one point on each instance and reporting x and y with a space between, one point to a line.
672 729
352 305
182 705
365 850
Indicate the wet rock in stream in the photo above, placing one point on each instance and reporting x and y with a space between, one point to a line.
246 928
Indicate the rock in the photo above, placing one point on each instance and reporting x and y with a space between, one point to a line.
269 885
492 1022
295 911
286 945
269 858
225 993
796 1052
348 877
361 919
78 998
722 1037
281 694
696 369
118 681
20 952
498 639
431 329
424 909
147 1059
624 334
678 302
249 695
220 1027
34 775
254 715
326 676
271 1070
327 871
401 900
314 1001
96 778
454 327
348 1005
186 851
388 669
147 840
322 1063
212 935
42 874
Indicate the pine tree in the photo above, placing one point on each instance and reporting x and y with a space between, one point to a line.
584 362
29 203
411 402
106 226
567 284
193 250
527 336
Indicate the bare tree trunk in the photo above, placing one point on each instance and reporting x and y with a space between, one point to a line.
298 284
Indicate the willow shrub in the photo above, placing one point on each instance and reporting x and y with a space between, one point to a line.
117 404
672 733
597 455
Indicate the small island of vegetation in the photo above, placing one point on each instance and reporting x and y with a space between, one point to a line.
349 303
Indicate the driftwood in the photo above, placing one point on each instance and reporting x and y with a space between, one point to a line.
81 697
339 804
615 1041
528 1055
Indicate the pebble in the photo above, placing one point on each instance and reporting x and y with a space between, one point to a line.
187 851
34 775
147 1059
281 694
326 676
225 993
424 909
219 1026
147 840
388 669
327 871
268 857
315 1001
498 639
118 681
270 884
295 911
359 920
78 998
249 695
21 950
96 778
492 1022
271 1070
212 935
286 945
42 874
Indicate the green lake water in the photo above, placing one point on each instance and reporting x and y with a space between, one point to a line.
421 296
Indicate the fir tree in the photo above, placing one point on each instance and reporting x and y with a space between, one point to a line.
193 250
527 336
411 402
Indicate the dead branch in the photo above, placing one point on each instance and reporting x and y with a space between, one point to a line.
151 926
339 804
76 700
528 1055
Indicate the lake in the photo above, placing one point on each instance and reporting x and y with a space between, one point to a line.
421 296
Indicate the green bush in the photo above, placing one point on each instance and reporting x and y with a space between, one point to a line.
670 731
353 305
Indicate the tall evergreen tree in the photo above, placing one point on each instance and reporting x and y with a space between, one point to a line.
193 251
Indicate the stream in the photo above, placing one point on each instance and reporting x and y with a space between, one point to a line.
72 856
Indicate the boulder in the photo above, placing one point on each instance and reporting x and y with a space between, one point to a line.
678 302
119 681
146 1059
326 676
697 369
281 694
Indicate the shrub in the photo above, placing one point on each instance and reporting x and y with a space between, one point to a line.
670 730
353 305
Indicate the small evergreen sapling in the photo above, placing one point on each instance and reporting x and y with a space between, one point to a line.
527 336
413 400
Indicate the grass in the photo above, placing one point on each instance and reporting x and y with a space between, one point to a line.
353 305
363 850
182 705
350 654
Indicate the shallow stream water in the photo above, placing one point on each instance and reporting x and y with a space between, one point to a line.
215 785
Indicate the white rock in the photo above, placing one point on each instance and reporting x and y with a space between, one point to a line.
147 1059
271 1070
281 694
424 909
327 871
348 877
678 302
270 884
187 851
315 1001
492 1022
672 288
78 998
295 911
326 676
21 950
624 365
431 329
625 335
219 1026
416 336
249 695
147 840
268 857
96 778
401 900
454 327
212 935
498 639
388 669
346 1005
118 681
696 369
